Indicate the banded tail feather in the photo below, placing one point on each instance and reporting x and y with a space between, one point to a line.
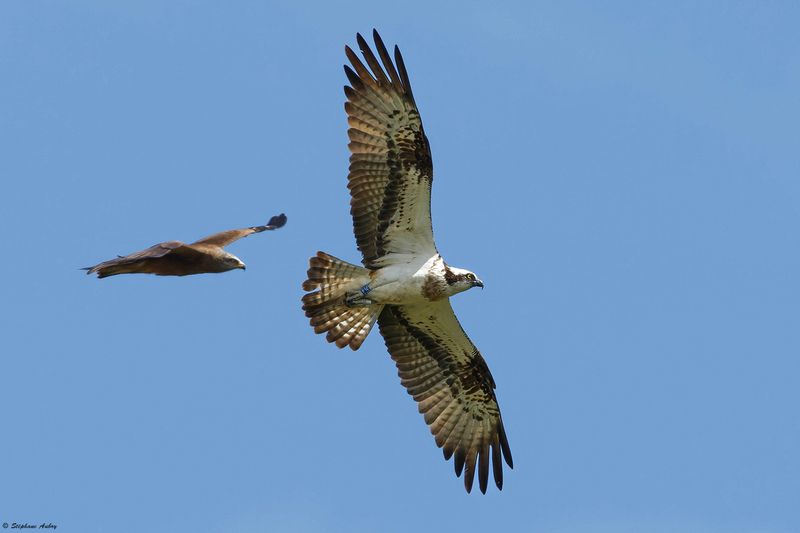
331 279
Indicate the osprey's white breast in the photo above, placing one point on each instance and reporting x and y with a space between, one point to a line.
409 282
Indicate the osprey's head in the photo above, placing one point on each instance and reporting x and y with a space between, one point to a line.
232 262
459 280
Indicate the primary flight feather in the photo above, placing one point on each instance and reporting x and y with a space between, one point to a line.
405 285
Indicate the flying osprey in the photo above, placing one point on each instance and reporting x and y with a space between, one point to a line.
174 258
406 284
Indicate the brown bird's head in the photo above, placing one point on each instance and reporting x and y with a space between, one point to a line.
232 262
459 280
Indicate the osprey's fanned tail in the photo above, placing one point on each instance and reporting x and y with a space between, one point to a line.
333 278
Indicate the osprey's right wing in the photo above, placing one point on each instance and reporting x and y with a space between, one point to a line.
390 167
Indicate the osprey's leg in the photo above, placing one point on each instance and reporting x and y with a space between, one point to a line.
359 297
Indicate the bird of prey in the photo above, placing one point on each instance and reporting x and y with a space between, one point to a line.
174 258
405 284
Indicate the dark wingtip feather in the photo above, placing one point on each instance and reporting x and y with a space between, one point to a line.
469 470
362 43
497 463
483 467
504 444
372 61
458 461
278 221
377 38
469 477
353 78
401 67
349 53
385 59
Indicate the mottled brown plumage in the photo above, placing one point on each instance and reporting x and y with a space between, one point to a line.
447 376
391 170
174 258
405 285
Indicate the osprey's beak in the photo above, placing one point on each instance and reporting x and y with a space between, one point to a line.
243 266
477 283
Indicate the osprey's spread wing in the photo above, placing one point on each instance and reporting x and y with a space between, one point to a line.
171 258
449 379
390 166
224 238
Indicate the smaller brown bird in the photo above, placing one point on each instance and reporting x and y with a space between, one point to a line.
174 258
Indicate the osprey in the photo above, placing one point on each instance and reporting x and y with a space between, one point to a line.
405 284
174 258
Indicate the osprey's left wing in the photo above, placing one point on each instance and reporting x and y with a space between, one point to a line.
390 166
224 238
448 377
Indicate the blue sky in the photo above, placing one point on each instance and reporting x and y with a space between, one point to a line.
624 178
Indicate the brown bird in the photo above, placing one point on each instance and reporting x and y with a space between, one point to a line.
174 258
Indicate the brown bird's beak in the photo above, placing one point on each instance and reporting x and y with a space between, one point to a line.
477 283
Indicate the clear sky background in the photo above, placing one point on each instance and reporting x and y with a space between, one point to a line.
625 179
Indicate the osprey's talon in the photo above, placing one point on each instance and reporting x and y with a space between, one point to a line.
358 298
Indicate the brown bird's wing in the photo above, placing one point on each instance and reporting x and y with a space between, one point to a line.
390 167
172 258
449 379
224 238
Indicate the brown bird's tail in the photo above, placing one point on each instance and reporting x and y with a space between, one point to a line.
347 325
112 268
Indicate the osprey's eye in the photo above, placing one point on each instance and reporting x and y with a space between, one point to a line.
470 277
